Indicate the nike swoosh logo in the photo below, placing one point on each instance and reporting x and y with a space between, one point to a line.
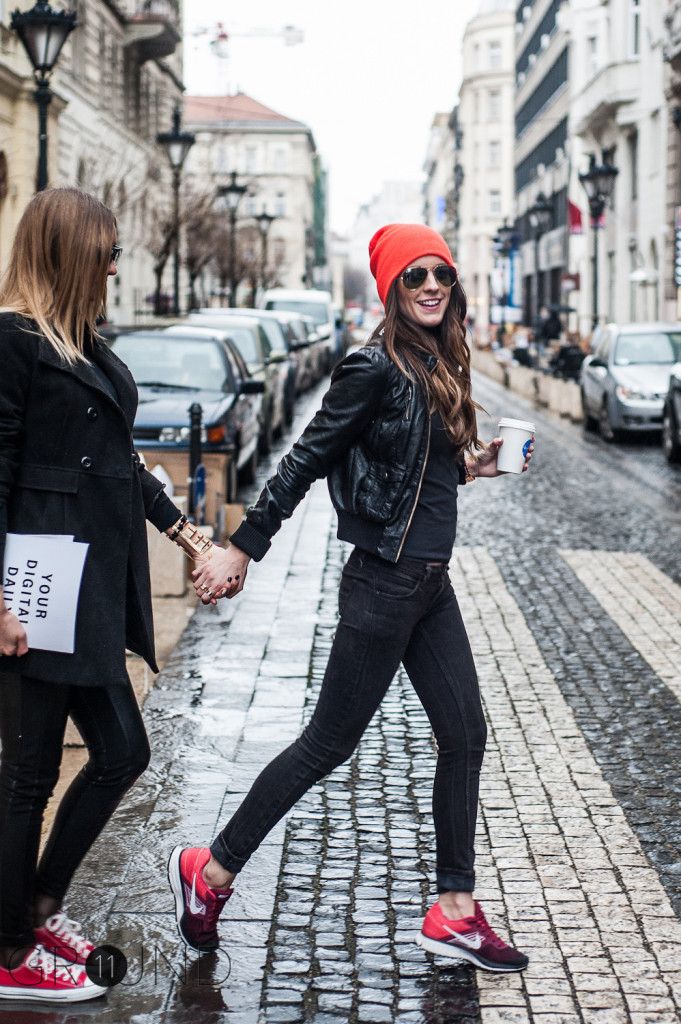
195 905
473 941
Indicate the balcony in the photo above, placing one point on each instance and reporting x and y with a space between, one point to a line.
613 87
154 31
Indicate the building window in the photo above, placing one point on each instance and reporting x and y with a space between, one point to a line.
632 149
635 28
494 104
251 160
281 160
494 54
494 202
591 56
280 205
494 153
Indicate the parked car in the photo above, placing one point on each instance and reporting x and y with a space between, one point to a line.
313 303
250 338
625 381
671 416
283 353
176 366
319 352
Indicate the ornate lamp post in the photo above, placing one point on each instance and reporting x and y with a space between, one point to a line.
540 216
177 145
264 220
43 32
598 183
504 242
231 194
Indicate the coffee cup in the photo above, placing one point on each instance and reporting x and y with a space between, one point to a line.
517 436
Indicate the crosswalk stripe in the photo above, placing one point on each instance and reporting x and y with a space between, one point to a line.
555 850
641 600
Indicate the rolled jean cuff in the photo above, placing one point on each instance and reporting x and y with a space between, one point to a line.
224 858
451 881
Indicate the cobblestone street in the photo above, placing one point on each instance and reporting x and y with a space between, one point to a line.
569 581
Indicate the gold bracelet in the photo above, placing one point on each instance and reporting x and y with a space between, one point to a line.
195 543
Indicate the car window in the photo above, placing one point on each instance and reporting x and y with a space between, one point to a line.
603 349
317 310
264 341
174 362
275 336
246 340
654 347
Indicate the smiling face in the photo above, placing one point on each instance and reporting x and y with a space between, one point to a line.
424 306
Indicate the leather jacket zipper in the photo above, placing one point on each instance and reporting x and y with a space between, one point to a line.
418 493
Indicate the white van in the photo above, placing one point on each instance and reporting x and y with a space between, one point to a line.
310 302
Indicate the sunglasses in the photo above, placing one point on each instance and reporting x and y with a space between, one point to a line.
414 277
116 251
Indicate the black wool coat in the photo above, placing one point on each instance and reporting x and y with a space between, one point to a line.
68 466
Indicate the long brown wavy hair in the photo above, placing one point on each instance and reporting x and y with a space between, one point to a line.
448 387
58 268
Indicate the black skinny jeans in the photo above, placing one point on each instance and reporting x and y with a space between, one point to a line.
33 716
389 613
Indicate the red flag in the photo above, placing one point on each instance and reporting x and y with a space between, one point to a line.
574 218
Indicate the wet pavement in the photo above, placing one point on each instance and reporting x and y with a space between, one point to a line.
569 580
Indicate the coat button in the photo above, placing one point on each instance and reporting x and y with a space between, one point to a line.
92 413
86 462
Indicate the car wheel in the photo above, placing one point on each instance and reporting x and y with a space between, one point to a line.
266 435
606 429
231 480
670 437
249 471
590 422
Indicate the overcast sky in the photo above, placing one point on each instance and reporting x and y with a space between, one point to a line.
367 79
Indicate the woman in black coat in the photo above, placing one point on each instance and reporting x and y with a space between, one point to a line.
67 467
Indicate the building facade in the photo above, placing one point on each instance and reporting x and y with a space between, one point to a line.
483 152
618 114
115 86
671 282
439 176
542 152
276 158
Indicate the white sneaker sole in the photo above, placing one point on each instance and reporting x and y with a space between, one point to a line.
175 880
461 955
75 995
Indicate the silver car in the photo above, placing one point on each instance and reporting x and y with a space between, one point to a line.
624 382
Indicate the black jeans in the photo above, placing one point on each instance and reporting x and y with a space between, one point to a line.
33 717
389 613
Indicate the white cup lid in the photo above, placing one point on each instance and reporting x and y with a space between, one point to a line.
518 424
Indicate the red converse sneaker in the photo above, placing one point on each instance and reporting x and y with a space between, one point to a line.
197 906
44 976
470 938
64 937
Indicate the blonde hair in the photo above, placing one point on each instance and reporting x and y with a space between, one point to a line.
58 268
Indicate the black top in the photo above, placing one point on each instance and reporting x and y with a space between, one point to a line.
103 378
433 528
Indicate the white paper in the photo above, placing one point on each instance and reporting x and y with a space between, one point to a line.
41 582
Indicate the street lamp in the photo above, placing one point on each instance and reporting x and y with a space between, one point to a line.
598 183
540 215
264 220
177 145
504 243
232 194
43 32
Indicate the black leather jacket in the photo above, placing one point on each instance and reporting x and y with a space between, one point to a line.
371 439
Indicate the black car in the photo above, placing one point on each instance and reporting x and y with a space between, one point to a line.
671 417
177 366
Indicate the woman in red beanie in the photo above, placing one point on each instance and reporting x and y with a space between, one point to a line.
395 436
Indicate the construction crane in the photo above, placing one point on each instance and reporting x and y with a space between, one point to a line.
219 36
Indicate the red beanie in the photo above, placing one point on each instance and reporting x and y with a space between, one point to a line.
395 246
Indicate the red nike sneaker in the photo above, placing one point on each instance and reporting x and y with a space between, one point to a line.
197 906
44 976
64 937
469 938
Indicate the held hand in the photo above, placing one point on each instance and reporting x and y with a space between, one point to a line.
221 575
486 462
12 635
